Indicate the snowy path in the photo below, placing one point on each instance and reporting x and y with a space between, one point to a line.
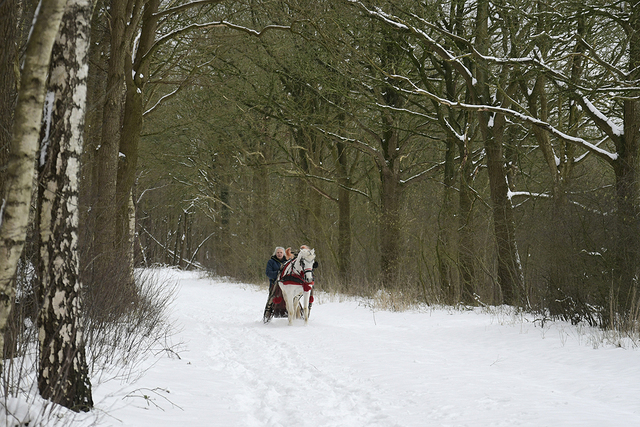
353 367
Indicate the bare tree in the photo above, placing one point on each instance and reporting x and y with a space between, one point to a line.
24 144
106 155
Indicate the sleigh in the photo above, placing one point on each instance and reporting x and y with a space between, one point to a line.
276 306
296 280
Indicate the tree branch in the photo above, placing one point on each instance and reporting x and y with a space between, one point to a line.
603 154
184 7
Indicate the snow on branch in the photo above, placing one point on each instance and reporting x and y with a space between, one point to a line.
534 59
193 257
598 60
445 54
615 132
470 45
512 194
356 143
431 43
217 24
169 95
405 110
149 189
586 153
184 7
422 174
460 137
251 31
604 154
220 24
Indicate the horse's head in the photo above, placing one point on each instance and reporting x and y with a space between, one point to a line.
307 257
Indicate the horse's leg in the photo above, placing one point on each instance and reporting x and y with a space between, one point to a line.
296 303
296 311
296 296
307 296
286 296
291 310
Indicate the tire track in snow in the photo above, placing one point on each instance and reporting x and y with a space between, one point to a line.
278 380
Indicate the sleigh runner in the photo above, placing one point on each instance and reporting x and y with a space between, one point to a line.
276 306
293 288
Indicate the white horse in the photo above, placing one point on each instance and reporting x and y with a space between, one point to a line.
296 282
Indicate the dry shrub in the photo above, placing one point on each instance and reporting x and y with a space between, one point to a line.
20 345
121 330
409 291
624 328
130 326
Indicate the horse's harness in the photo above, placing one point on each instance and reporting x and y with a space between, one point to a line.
288 275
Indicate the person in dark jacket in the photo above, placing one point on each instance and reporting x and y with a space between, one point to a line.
275 304
273 265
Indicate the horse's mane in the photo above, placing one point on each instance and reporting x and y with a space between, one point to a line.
307 254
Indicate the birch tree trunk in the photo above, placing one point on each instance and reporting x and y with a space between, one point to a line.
62 372
24 144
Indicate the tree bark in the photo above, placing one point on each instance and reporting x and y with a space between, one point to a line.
390 192
63 374
444 244
627 186
466 246
96 91
509 269
9 75
24 144
106 155
344 214
389 168
136 75
261 190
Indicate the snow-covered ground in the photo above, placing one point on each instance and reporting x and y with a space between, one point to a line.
353 366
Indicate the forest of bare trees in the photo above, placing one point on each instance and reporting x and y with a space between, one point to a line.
467 152
463 153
